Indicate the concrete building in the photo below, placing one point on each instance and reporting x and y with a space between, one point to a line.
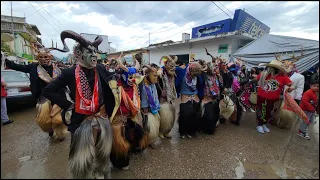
24 34
220 38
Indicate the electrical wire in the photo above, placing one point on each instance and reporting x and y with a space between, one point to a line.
196 19
115 16
295 18
45 19
206 20
37 10
51 15
221 9
226 8
178 27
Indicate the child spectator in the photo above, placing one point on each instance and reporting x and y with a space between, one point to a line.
309 104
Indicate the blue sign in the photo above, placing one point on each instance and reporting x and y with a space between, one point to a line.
242 21
211 29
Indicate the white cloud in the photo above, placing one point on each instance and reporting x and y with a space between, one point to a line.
172 18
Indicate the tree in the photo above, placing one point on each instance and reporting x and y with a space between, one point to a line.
6 48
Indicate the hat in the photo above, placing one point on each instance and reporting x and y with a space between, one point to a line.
276 64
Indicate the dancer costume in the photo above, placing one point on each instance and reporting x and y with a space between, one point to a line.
167 94
91 133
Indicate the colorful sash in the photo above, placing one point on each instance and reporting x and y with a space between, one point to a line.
43 74
152 99
86 101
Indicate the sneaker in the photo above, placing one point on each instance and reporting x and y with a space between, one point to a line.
252 110
304 135
244 110
260 129
265 129
189 136
125 168
183 136
8 122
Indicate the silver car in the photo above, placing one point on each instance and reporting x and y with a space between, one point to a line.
18 87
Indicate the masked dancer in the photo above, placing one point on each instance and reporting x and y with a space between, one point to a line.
41 74
189 116
271 82
128 134
167 94
91 133
150 104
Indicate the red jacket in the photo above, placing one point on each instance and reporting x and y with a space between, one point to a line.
3 90
309 101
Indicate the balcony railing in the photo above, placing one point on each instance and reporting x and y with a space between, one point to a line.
15 19
6 27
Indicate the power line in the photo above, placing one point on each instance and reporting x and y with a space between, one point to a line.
41 8
115 16
174 23
206 6
146 12
45 19
51 15
178 27
196 19
296 18
221 9
225 8
202 22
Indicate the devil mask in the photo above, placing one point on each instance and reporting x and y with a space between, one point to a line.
169 64
85 52
151 73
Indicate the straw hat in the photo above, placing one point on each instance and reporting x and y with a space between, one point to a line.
276 64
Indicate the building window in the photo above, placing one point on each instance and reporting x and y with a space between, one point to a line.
223 48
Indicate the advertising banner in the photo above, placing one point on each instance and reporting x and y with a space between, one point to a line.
211 29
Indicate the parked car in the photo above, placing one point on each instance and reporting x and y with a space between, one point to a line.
18 87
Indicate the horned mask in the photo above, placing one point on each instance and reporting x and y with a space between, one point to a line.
85 52
43 55
289 65
169 64
151 72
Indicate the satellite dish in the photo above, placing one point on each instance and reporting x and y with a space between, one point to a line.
5 37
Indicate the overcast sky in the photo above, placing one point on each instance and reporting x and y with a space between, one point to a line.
128 24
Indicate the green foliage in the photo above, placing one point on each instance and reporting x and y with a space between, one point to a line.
6 48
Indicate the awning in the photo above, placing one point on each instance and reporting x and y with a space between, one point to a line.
263 50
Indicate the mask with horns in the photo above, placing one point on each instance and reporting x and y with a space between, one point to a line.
85 52
169 64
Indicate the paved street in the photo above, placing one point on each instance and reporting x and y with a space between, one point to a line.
233 152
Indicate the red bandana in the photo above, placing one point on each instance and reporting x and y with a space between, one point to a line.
86 101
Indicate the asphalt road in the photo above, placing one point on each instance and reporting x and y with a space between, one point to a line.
233 152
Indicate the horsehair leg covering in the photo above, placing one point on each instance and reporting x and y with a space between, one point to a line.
82 152
120 146
153 126
135 135
167 116
286 118
43 119
60 131
103 147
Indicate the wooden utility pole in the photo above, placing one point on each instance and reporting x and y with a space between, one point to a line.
149 39
12 29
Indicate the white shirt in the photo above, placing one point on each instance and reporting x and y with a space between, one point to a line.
298 83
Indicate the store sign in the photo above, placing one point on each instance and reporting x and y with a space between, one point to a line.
27 56
211 29
223 48
244 22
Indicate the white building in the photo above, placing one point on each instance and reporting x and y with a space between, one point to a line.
222 44
220 38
